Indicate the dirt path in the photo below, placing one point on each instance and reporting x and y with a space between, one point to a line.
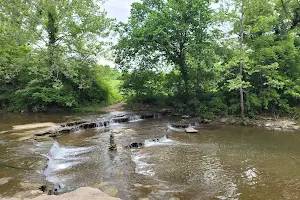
115 107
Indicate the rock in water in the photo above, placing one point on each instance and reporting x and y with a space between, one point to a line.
113 145
191 130
43 188
134 145
207 121
185 116
5 180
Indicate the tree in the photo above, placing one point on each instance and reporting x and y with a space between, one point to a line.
269 55
58 49
70 30
167 30
14 51
237 19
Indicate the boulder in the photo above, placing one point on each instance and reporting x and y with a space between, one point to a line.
73 123
86 193
119 115
43 188
67 130
120 119
137 185
185 116
207 121
147 116
223 120
45 133
191 130
3 141
134 145
5 180
180 125
88 125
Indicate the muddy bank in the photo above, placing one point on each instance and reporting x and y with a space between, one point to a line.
86 193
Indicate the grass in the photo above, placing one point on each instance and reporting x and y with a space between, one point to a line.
114 97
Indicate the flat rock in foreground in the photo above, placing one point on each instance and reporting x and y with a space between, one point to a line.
84 193
191 130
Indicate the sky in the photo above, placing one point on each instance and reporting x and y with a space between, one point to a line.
120 10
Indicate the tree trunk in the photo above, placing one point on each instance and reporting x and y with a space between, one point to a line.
198 87
185 78
52 36
184 74
241 61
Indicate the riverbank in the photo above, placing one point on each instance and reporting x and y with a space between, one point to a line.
86 193
48 131
268 122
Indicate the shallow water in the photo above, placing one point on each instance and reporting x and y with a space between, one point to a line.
219 162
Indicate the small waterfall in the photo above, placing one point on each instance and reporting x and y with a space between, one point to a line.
113 123
140 158
60 158
158 141
142 167
77 129
100 125
171 128
135 118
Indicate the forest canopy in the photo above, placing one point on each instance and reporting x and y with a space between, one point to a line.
227 57
49 52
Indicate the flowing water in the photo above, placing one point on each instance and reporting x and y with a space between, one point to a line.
219 162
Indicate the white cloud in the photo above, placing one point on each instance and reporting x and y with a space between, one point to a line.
119 9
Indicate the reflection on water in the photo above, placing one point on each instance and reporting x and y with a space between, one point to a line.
220 162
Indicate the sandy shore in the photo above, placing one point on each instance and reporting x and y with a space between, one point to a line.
84 193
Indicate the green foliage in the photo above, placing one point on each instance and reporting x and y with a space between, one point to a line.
48 55
143 86
186 54
164 30
169 55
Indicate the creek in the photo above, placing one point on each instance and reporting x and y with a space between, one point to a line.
218 162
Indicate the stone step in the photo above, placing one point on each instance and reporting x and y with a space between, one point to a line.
191 130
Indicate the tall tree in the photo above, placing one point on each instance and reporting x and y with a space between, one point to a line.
241 64
71 30
237 19
58 43
165 29
269 54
